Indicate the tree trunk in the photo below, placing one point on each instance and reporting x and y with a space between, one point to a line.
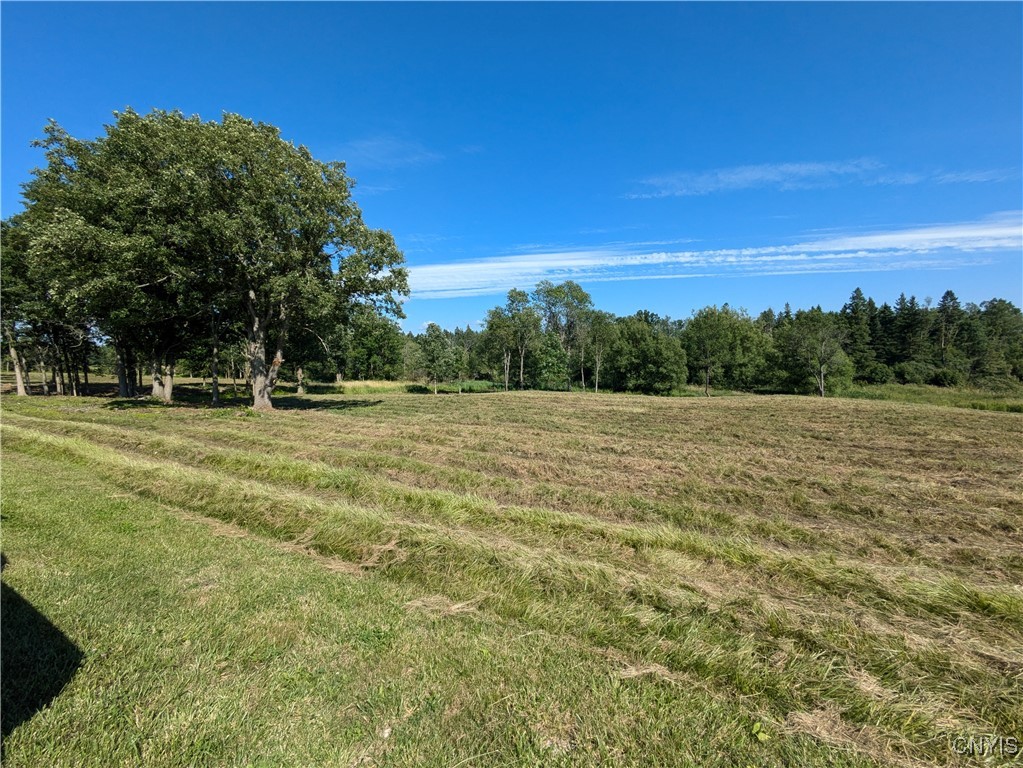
507 367
163 379
58 380
168 381
596 373
19 370
28 374
300 376
157 379
72 374
264 377
706 381
215 367
820 381
42 375
262 388
122 371
125 372
522 367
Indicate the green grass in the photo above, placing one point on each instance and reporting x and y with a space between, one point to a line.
1009 399
517 579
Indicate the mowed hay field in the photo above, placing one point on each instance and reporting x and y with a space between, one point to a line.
512 579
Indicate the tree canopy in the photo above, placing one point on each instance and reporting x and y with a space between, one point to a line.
168 231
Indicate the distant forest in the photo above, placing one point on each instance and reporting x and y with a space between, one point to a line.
553 338
174 246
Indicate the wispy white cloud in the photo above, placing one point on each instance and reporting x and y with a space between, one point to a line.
387 153
976 177
942 246
426 242
783 176
810 175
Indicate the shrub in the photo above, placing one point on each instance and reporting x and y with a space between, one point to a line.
914 373
875 373
946 377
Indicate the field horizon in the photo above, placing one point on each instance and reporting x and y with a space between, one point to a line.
513 579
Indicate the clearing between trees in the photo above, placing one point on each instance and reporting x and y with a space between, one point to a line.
514 578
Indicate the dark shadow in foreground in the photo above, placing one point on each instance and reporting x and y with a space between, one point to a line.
38 661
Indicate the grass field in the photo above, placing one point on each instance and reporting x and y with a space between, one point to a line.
1009 398
511 579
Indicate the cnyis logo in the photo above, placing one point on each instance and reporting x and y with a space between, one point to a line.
986 746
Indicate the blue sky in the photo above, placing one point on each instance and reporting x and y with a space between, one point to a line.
665 156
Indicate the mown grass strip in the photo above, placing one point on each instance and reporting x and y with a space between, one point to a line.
596 538
201 650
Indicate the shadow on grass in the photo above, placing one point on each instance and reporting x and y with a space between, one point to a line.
302 403
281 403
129 403
38 660
185 396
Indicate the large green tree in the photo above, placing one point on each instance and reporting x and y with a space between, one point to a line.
439 361
563 308
812 348
289 235
709 342
499 340
525 327
166 226
856 316
603 331
647 358
17 299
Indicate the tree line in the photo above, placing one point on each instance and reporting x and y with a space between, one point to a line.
554 338
169 238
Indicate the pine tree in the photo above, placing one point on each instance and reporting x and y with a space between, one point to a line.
856 316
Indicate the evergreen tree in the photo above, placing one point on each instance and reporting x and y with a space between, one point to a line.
856 315
953 367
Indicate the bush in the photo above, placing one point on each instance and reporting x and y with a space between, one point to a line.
875 373
946 377
914 373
